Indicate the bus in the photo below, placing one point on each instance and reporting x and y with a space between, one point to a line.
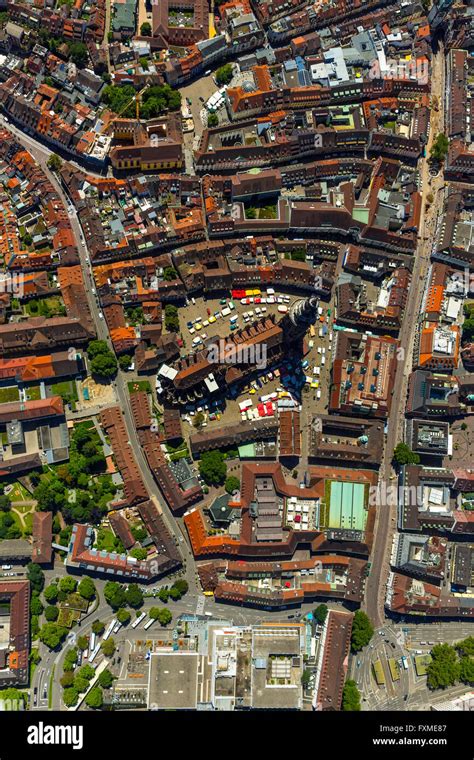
92 642
148 624
405 662
139 620
94 653
109 629
117 626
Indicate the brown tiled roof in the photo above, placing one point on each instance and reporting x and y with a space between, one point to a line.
42 537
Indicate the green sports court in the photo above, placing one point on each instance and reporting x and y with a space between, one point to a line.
347 506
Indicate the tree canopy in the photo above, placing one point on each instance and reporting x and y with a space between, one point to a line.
86 589
106 679
114 594
213 468
35 576
232 484
95 699
224 74
108 647
350 697
161 614
402 454
134 595
362 631
320 613
439 148
52 635
444 669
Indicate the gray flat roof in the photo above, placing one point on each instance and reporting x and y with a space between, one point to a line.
173 681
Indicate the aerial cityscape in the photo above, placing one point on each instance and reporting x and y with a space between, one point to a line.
236 356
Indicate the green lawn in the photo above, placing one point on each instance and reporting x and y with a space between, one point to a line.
108 541
67 390
52 306
29 521
9 394
139 385
20 493
33 393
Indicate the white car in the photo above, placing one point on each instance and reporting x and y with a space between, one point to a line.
101 316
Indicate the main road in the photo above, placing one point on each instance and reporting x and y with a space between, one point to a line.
385 524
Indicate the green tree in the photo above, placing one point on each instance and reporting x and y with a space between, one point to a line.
139 553
404 455
125 361
444 669
52 635
232 484
224 74
305 678
51 614
114 595
466 671
106 679
98 627
67 679
71 657
87 672
161 614
51 593
70 697
351 697
439 149
86 589
170 274
36 607
320 614
145 29
181 585
95 699
362 631
5 503
35 575
83 643
171 318
212 120
134 595
78 53
466 647
104 365
213 468
123 616
80 684
198 420
108 647
139 533
54 163
67 584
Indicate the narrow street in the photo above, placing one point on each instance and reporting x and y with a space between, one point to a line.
385 525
